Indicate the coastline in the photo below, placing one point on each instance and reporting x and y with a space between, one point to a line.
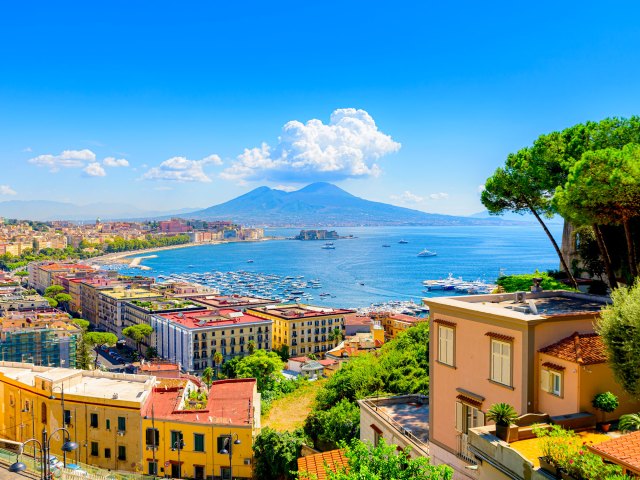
139 255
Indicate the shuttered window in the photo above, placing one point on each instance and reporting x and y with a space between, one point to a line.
501 362
551 382
468 416
445 345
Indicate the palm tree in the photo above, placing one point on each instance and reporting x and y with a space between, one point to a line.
217 360
251 346
207 376
336 335
629 422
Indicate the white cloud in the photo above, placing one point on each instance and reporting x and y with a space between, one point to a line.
27 149
181 169
347 147
66 159
439 196
115 162
7 190
94 169
407 197
285 188
163 188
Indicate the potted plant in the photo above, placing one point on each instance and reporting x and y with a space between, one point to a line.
605 402
503 415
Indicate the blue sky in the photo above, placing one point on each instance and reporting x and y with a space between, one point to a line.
159 104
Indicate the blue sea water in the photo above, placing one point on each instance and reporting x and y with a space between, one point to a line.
360 271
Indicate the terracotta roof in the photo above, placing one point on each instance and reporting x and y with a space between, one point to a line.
624 450
500 336
582 348
553 366
213 318
355 319
314 465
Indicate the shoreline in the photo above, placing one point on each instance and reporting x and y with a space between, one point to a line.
139 255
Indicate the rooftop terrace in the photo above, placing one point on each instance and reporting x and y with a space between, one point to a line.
222 301
213 318
299 310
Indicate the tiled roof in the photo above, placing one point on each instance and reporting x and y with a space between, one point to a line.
624 450
582 348
314 465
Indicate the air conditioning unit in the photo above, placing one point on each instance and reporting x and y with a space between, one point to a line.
520 297
247 461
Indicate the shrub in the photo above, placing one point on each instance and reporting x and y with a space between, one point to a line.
605 402
502 414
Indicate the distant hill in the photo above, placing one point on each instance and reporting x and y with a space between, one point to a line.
527 217
43 210
323 204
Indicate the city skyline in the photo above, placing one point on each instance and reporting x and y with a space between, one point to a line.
413 106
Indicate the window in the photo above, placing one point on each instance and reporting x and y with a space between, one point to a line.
224 443
198 442
445 345
94 420
176 439
122 424
122 452
551 381
94 449
153 468
67 417
225 473
501 362
468 416
43 414
108 424
153 437
107 453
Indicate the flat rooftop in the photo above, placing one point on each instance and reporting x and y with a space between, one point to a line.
409 412
213 318
94 384
123 293
159 304
526 305
299 310
233 301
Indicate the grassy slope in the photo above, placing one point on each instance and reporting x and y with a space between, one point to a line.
290 412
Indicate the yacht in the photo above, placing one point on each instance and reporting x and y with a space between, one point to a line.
386 245
403 242
427 253
328 246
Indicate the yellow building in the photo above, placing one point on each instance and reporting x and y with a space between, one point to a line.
394 323
302 328
101 411
183 438
111 305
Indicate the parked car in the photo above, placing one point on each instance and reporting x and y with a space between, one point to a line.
76 469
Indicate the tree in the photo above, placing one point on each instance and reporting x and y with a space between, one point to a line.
63 300
83 356
265 367
519 283
251 346
276 453
152 352
619 327
513 189
82 323
97 339
336 335
207 376
52 302
138 333
282 352
217 360
53 290
383 462
327 428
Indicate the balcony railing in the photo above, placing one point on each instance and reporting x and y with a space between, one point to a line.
463 449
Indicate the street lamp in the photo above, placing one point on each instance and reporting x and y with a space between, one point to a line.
64 424
178 445
228 450
45 448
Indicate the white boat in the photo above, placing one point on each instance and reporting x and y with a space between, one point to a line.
427 253
328 246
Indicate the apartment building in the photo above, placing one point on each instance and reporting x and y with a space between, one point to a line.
394 323
486 349
193 338
302 328
235 301
183 436
41 274
16 300
111 305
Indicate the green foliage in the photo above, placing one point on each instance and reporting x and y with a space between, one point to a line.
523 283
52 302
119 244
100 338
63 299
502 414
138 333
152 352
265 367
283 352
327 428
207 376
629 422
53 290
384 462
619 326
276 454
605 402
83 354
82 323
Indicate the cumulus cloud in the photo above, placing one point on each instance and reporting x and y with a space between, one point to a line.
285 188
181 169
7 190
94 169
439 196
66 159
407 197
115 162
347 147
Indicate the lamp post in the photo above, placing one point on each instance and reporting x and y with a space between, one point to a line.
45 448
178 445
228 450
64 424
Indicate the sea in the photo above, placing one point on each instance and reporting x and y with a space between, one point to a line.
360 272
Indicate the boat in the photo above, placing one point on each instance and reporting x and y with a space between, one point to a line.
386 246
427 253
403 242
328 246
249 261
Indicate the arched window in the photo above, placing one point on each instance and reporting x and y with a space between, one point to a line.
43 413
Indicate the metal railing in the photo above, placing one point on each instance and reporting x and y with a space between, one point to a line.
369 402
463 449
